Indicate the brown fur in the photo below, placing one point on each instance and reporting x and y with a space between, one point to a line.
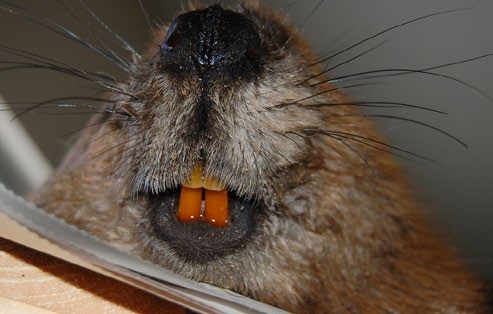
335 237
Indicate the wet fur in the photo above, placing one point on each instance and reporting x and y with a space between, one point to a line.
337 235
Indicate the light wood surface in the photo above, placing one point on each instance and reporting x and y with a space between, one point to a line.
32 282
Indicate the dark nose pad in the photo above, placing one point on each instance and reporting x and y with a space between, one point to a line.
214 39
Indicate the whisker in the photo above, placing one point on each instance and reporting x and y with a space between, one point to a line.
376 104
97 78
55 100
297 102
486 55
284 134
364 138
67 9
313 10
109 50
399 72
36 57
105 100
74 113
344 62
100 79
90 126
93 33
299 27
386 150
147 15
120 144
357 153
117 128
389 30
58 29
263 134
92 110
124 43
407 120
125 150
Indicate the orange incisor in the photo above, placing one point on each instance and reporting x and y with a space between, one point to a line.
214 204
190 204
216 207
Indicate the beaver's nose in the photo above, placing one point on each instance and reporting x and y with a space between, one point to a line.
213 39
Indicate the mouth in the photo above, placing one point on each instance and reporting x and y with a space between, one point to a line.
202 219
203 199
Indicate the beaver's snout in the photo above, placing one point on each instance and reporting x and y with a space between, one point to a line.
213 43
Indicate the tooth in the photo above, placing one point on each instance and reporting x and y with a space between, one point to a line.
216 208
213 184
195 180
189 204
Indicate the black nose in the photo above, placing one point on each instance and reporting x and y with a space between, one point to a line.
212 40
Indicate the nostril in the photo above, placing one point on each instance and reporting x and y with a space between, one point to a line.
166 47
172 37
170 43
